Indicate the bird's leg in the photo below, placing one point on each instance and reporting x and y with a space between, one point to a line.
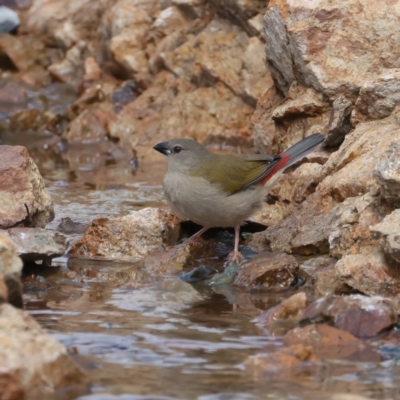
236 256
194 237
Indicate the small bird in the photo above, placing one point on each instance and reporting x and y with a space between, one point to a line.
223 190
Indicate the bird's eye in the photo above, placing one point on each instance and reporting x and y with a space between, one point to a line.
177 149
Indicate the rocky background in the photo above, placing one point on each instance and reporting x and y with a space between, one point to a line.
242 75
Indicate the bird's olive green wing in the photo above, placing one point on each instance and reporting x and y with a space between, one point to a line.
234 173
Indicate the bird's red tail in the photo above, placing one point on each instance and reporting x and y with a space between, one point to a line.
294 154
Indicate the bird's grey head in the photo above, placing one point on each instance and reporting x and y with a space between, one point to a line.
183 154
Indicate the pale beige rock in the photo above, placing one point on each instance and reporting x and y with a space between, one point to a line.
33 362
310 41
10 272
34 244
378 97
366 274
129 238
89 126
222 52
387 173
128 50
172 108
23 200
301 114
263 125
349 171
70 70
388 233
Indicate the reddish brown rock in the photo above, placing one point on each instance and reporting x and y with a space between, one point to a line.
129 238
268 271
287 358
362 316
176 258
23 200
284 316
326 341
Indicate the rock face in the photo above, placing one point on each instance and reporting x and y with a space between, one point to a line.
23 200
33 363
305 42
129 238
10 273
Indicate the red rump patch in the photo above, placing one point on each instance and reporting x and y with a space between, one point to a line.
281 164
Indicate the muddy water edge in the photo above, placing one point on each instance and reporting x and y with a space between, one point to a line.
143 336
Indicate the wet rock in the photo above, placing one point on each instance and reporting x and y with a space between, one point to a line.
23 200
387 173
34 120
285 316
129 238
339 123
48 366
176 258
304 42
9 20
268 271
310 268
197 274
226 277
287 358
378 97
362 316
68 226
326 341
388 233
10 273
33 244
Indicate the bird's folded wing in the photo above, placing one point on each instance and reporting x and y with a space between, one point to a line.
234 173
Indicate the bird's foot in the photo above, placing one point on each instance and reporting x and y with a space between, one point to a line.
235 257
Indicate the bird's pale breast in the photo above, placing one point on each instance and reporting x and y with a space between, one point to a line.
196 199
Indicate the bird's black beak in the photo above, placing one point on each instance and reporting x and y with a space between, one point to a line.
162 148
